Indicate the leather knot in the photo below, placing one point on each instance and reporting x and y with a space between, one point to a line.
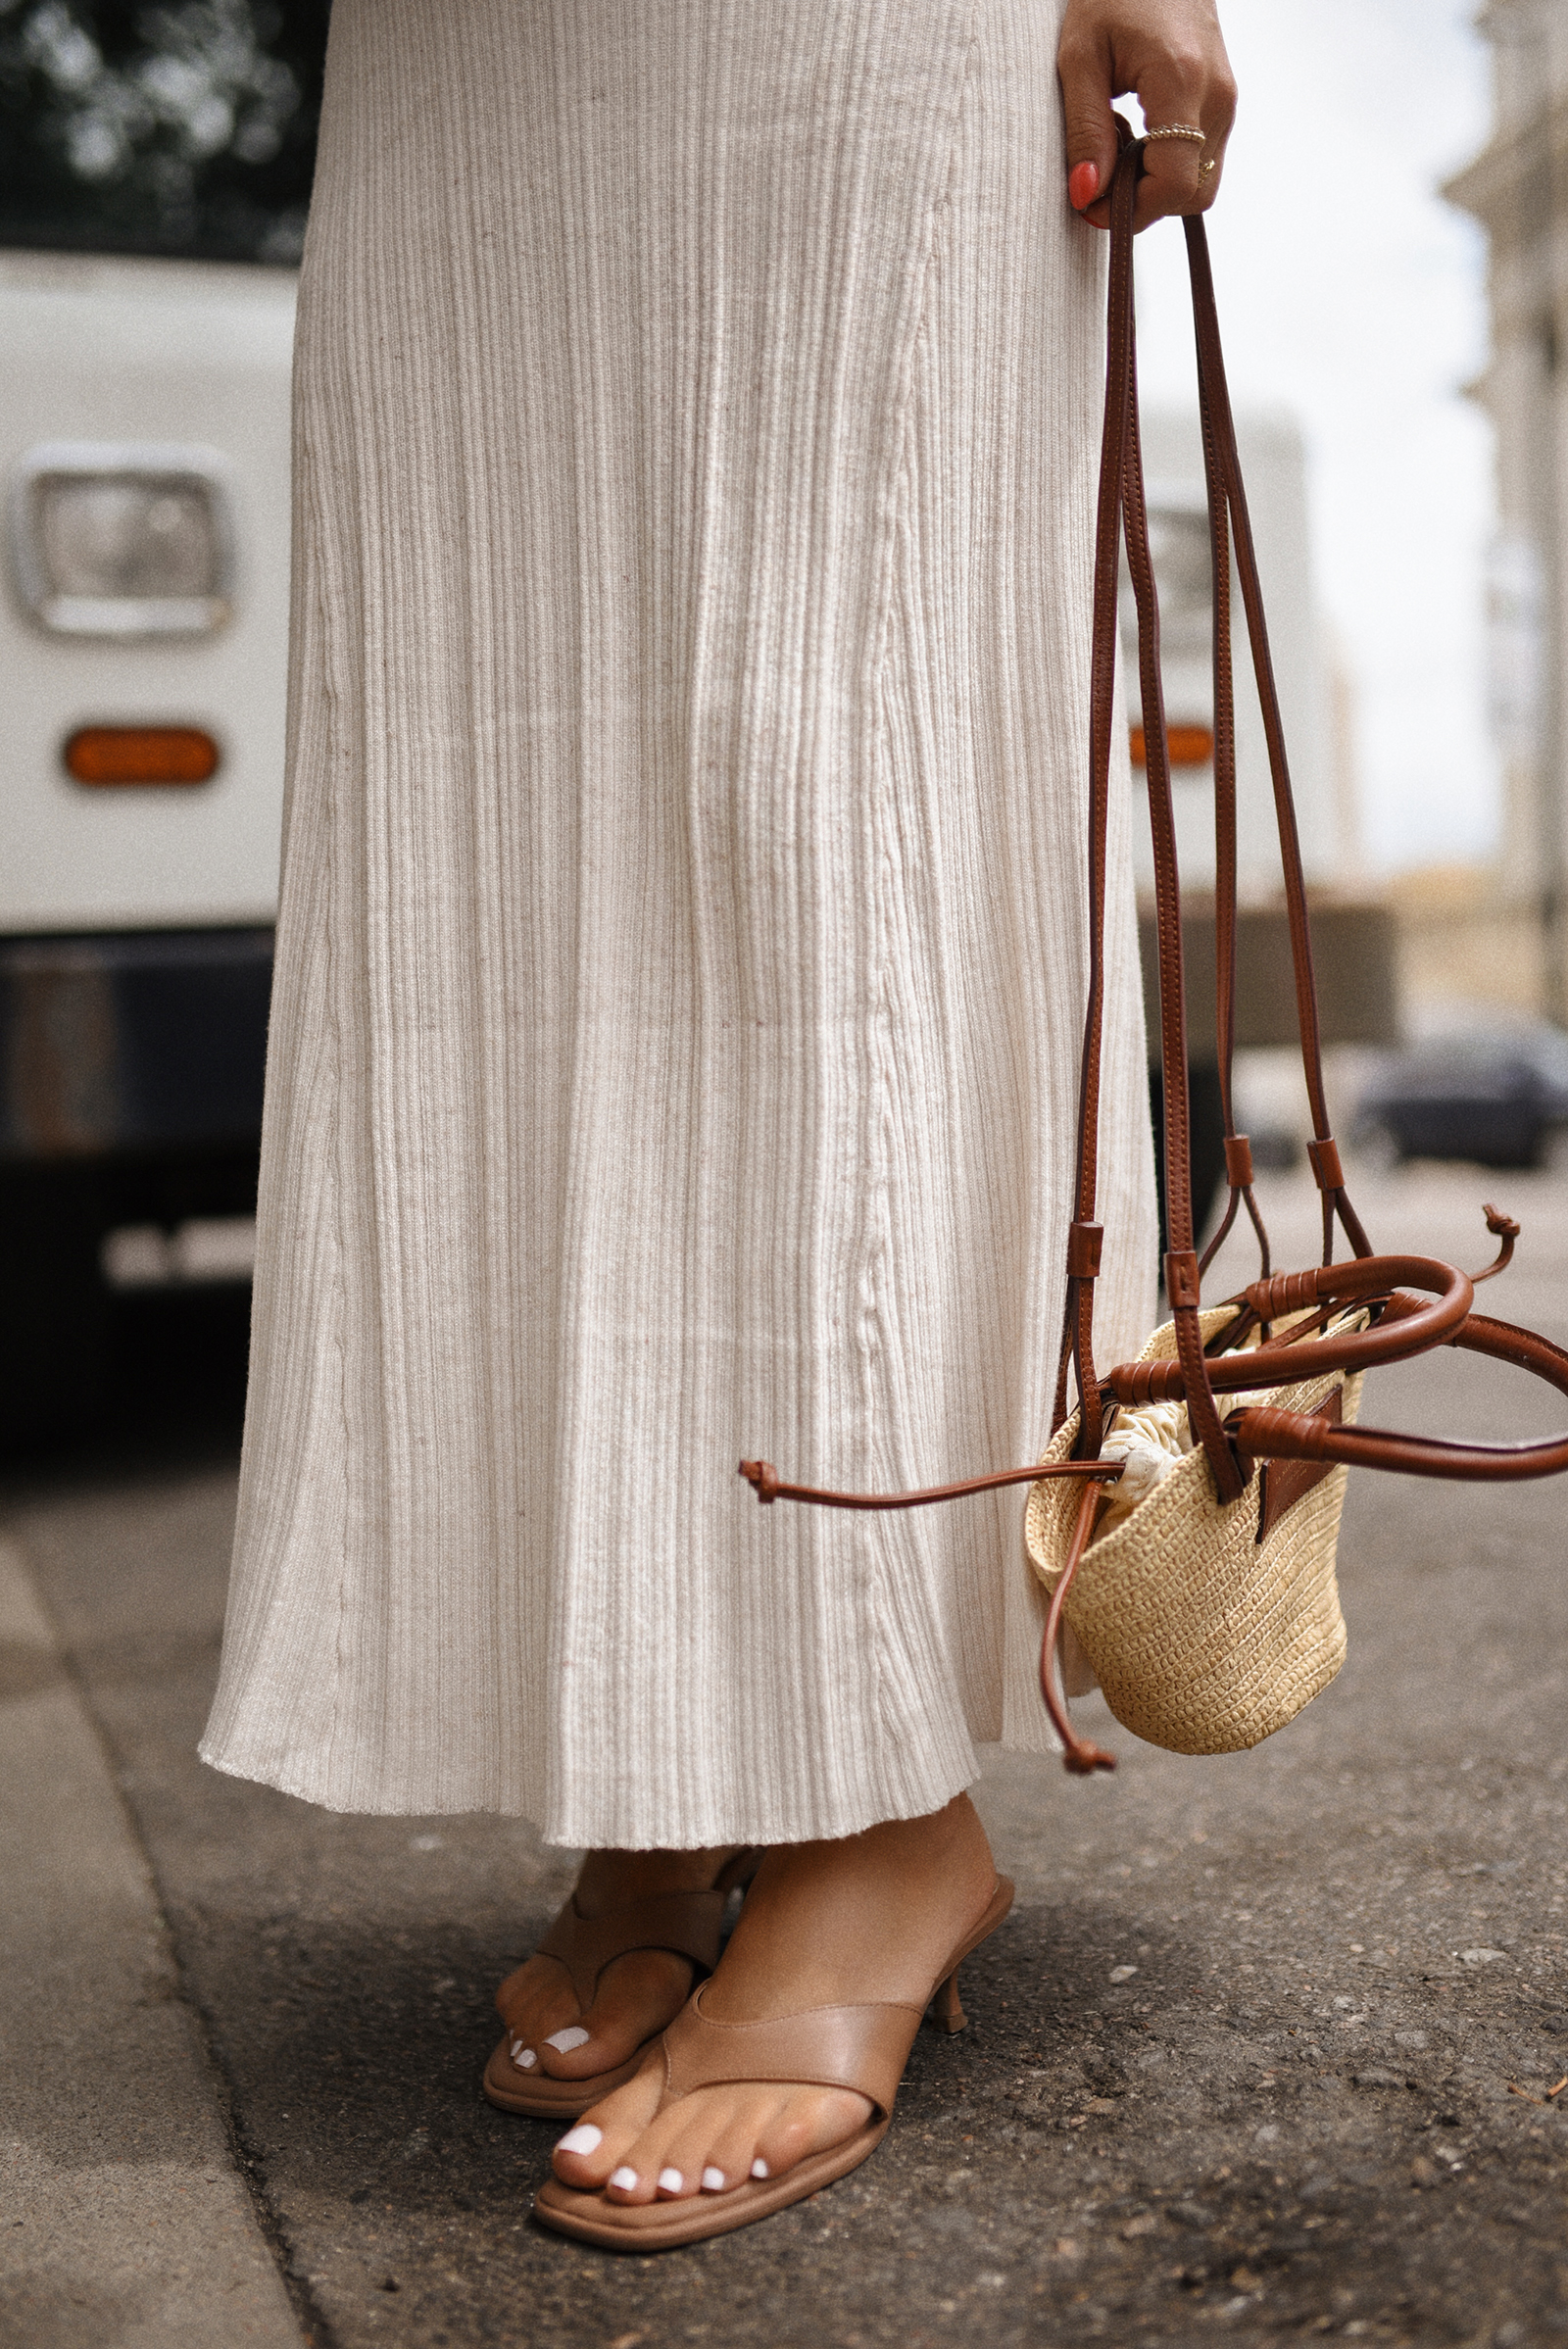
1239 1161
1083 1250
1160 1382
1284 1292
1324 1153
1182 1285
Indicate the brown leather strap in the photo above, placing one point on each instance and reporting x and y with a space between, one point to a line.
1396 1324
1238 1149
1298 1436
1080 1755
860 2047
1121 515
687 1923
1220 450
1182 1279
1078 1312
764 1479
1415 1324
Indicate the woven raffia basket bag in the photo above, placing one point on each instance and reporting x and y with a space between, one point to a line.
1202 1592
1205 1635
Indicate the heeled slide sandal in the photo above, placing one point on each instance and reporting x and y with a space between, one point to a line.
860 2047
687 1923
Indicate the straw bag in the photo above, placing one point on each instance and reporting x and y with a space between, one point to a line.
1205 1599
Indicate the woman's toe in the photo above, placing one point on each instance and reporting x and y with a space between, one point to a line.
730 2150
811 2120
595 2149
627 2184
635 1998
536 2015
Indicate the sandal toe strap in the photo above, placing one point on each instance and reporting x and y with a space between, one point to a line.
687 1923
860 2047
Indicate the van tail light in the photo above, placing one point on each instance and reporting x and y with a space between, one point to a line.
118 755
1190 746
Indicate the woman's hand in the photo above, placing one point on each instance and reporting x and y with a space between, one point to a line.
1171 55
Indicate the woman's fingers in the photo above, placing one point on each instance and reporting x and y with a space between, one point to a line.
1171 55
1084 68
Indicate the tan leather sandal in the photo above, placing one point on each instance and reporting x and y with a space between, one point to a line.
860 2047
688 1924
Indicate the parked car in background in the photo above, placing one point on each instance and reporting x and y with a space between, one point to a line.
155 172
1499 1098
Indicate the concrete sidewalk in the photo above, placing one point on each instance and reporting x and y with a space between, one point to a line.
1263 2052
126 2219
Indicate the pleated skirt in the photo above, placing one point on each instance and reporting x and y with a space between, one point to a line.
682 948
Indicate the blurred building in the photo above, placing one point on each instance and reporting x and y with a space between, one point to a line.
1517 188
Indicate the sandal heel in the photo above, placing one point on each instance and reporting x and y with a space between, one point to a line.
947 2009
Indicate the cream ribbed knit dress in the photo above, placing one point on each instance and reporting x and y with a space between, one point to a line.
681 957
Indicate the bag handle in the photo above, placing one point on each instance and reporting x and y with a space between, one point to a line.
1122 515
1237 1146
1401 1324
1227 499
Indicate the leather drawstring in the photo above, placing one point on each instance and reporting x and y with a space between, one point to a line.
1080 1755
766 1483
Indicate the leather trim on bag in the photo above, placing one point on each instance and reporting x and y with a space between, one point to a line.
1286 1482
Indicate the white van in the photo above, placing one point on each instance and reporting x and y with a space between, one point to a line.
144 443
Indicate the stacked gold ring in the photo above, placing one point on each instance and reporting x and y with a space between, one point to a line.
1177 130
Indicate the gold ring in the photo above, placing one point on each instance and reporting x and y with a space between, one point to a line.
1178 131
1205 168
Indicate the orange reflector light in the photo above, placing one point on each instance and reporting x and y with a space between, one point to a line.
141 754
1190 746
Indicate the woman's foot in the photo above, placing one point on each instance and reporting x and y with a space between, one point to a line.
874 1916
636 1995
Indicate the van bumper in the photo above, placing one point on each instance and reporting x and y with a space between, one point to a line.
126 1045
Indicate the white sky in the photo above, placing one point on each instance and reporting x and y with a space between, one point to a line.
1352 294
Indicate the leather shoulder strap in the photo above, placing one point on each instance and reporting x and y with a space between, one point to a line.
1222 465
1122 513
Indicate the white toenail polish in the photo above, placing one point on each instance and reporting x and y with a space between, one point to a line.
759 2168
670 2181
563 2042
624 2178
524 2058
584 2138
713 2180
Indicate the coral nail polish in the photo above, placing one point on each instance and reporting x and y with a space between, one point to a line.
1083 185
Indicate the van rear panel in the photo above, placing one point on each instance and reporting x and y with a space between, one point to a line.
115 363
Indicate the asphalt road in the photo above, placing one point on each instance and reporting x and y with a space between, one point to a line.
1263 2052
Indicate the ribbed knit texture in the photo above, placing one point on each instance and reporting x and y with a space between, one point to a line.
682 951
